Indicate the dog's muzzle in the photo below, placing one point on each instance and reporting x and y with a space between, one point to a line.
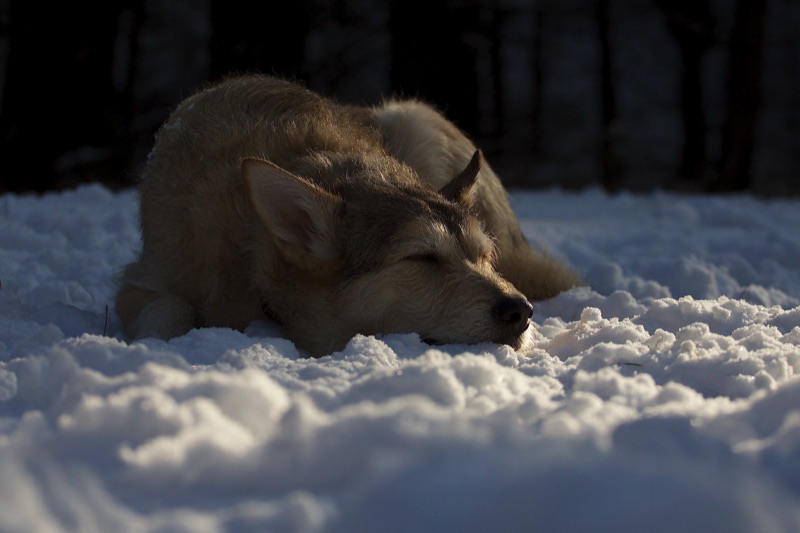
511 317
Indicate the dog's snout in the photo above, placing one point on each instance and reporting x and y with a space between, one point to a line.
513 311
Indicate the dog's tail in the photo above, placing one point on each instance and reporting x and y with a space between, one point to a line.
537 274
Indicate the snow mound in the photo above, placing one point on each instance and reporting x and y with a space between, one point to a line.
664 398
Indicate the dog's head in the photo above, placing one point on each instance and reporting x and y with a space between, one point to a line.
372 255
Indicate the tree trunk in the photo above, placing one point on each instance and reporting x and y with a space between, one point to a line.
690 23
496 33
695 128
537 69
609 163
743 96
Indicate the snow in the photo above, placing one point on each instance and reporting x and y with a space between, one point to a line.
664 398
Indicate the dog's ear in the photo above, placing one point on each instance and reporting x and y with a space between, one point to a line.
458 188
300 215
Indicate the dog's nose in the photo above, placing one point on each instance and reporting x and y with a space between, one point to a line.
513 311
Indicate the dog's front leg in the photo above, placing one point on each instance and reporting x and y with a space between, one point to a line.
147 313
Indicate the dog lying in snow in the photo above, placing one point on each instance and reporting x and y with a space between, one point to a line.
263 199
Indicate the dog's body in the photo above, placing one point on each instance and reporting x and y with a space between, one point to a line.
262 198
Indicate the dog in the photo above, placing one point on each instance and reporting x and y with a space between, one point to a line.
262 199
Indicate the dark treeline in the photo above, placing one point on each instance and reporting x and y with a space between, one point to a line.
700 95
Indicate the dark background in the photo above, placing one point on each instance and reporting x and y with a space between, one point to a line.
698 95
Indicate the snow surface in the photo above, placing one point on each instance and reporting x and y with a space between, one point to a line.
666 398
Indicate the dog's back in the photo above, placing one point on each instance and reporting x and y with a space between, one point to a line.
262 197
